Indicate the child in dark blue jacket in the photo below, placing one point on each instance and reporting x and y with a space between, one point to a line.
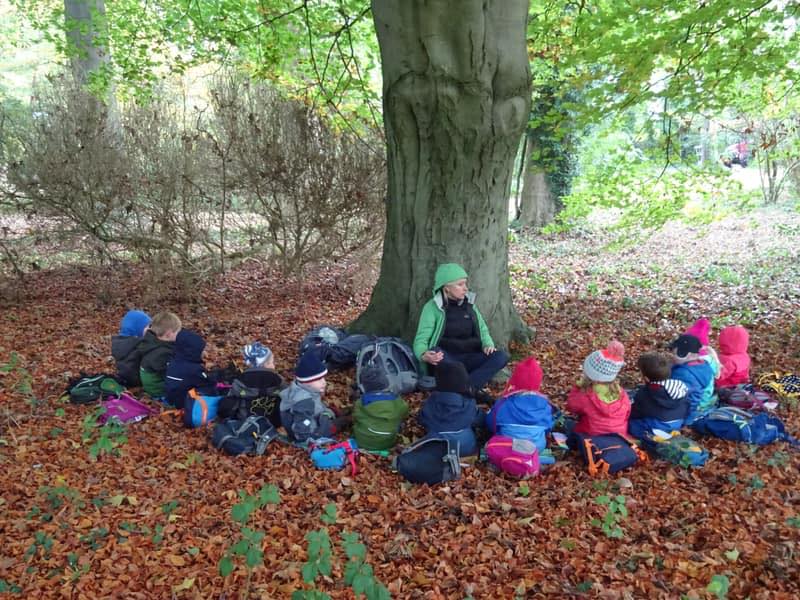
661 403
449 412
185 370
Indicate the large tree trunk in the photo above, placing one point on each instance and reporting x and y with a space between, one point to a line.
456 96
86 29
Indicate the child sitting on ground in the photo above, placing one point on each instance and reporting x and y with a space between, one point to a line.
123 346
185 370
660 403
697 373
378 413
733 357
303 414
260 376
156 350
523 412
600 403
449 412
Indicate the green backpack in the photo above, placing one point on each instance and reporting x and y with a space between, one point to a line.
90 388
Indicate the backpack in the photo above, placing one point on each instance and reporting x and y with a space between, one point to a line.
677 449
342 354
537 410
200 407
321 338
325 454
89 388
429 460
606 454
785 385
517 457
737 425
743 396
243 401
395 359
247 436
124 408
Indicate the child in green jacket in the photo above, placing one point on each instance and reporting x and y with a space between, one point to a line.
378 414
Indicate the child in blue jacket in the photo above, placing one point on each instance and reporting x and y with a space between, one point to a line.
185 370
449 412
523 412
698 375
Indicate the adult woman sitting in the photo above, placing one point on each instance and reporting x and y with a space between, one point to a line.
451 328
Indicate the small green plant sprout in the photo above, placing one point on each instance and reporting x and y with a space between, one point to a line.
523 489
248 547
106 439
358 574
719 586
793 521
616 511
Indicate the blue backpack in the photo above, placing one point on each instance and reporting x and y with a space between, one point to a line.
738 425
606 454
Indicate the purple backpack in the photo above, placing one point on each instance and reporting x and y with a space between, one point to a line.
124 408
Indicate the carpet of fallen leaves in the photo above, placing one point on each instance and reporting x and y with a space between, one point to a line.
155 521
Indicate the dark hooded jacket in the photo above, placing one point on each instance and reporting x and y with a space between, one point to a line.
453 416
124 349
663 400
154 356
185 371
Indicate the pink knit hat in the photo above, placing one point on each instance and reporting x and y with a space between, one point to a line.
604 365
700 330
527 376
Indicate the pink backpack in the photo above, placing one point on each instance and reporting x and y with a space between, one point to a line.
517 457
124 408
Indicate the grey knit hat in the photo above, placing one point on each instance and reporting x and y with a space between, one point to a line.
603 366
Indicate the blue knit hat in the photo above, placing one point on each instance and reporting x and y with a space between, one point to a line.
256 354
134 322
310 368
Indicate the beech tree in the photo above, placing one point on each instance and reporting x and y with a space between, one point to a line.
456 98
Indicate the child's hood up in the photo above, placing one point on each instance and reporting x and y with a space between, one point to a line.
189 346
734 340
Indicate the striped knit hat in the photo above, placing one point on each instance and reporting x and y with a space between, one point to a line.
603 366
310 368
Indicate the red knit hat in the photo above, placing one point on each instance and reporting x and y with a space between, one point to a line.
527 376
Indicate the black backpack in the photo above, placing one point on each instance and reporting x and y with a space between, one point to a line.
248 436
245 400
320 339
85 389
429 460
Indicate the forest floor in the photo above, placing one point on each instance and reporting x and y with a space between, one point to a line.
155 521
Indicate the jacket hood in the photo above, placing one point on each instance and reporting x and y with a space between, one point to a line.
134 322
446 273
668 393
609 409
447 411
122 345
734 340
189 346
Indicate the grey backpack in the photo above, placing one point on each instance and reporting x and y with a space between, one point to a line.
394 358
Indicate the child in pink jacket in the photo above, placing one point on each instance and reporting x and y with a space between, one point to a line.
733 356
600 403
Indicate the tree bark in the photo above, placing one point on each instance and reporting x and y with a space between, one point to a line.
456 97
539 206
86 30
